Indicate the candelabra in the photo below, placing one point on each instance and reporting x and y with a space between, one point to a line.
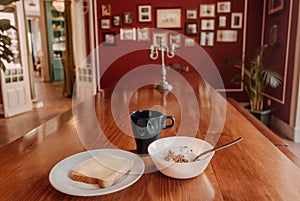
170 52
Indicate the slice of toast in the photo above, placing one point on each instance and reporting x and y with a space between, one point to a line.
103 169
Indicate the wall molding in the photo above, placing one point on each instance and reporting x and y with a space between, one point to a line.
287 53
292 133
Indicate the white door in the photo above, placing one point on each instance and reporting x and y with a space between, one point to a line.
15 86
86 65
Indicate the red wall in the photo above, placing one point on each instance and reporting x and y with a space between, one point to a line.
219 52
281 102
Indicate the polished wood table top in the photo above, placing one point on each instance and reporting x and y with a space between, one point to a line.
253 169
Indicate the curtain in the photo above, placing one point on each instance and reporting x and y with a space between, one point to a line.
68 60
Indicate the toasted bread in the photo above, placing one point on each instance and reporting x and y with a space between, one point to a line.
103 169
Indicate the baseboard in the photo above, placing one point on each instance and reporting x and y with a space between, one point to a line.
37 104
286 130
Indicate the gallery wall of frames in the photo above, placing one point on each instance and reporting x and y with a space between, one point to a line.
217 26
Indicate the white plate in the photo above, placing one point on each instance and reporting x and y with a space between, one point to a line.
59 175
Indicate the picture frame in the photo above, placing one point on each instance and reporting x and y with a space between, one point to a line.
207 10
143 34
128 34
175 39
208 24
222 21
169 18
273 34
145 13
159 37
106 10
127 17
116 21
189 42
227 35
109 38
275 6
191 28
105 23
207 39
224 7
191 14
236 20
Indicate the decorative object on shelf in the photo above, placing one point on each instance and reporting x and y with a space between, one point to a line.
236 20
191 28
105 23
207 39
227 35
255 80
145 13
273 34
109 38
275 6
224 7
175 39
208 24
207 10
106 10
143 34
191 14
168 18
116 21
170 52
127 34
127 17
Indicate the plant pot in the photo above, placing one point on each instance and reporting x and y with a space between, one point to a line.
264 116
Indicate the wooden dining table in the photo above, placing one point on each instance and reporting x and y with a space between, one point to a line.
253 169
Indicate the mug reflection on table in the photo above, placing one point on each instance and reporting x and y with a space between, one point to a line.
146 127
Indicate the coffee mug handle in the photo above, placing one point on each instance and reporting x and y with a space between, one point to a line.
169 126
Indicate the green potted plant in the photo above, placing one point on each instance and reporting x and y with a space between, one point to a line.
5 42
255 80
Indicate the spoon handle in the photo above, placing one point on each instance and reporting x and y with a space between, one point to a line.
218 148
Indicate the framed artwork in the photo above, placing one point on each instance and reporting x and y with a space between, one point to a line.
191 28
109 38
227 35
275 6
127 17
222 21
145 13
224 7
105 23
143 34
207 38
207 24
160 38
175 39
273 34
168 18
189 42
116 21
127 34
191 14
106 10
236 20
207 10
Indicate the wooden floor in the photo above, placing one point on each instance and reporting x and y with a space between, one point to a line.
50 94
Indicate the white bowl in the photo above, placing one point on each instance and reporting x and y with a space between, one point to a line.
190 147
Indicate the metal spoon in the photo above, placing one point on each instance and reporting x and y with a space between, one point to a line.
218 148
